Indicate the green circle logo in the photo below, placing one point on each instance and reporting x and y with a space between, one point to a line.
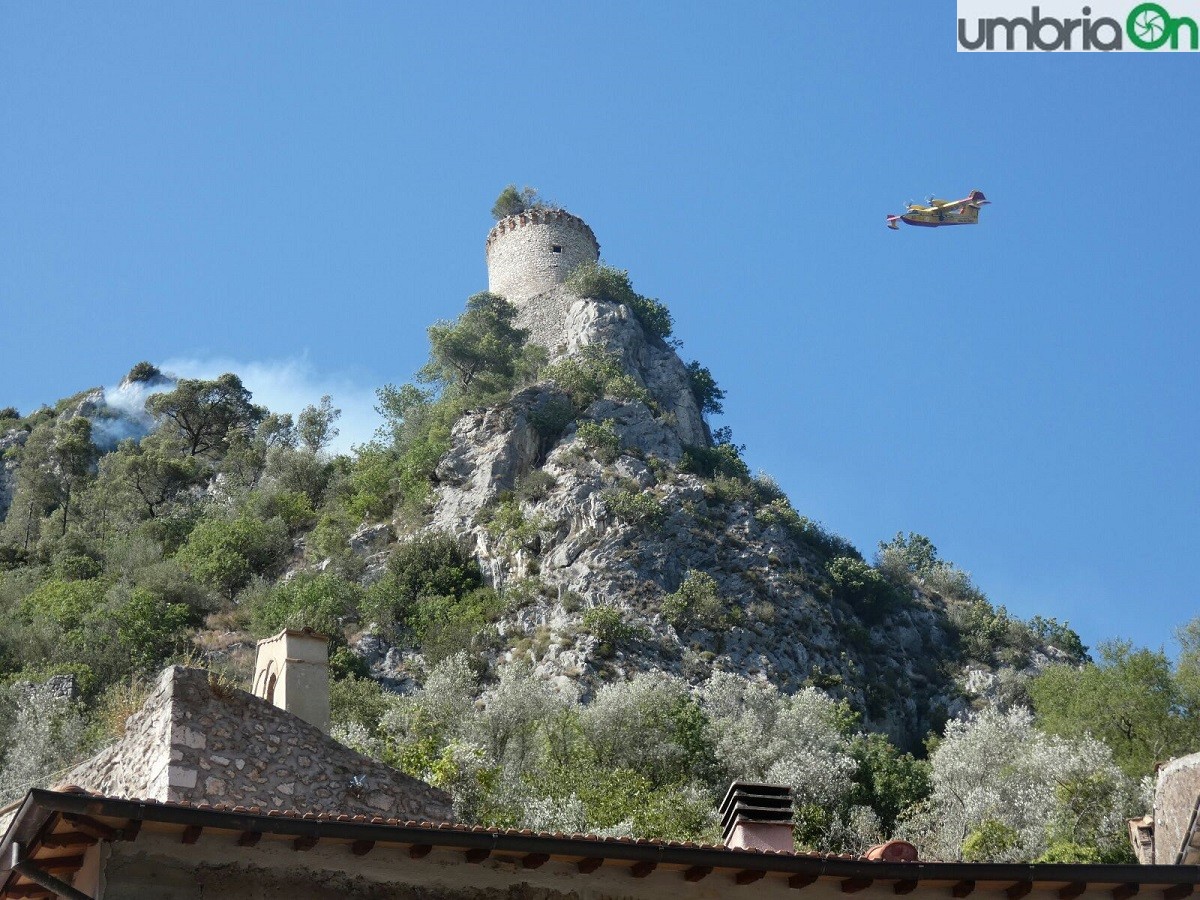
1148 25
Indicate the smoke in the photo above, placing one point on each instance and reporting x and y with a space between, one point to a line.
124 412
287 386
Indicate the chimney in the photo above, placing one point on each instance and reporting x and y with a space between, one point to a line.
893 851
757 817
291 670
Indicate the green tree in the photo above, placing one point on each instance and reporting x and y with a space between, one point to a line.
35 490
914 554
888 781
1129 698
319 602
206 414
480 347
429 565
593 373
225 553
143 371
862 586
513 201
704 389
72 457
1187 673
54 464
147 475
316 425
150 628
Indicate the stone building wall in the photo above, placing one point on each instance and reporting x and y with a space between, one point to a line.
521 258
194 743
1175 799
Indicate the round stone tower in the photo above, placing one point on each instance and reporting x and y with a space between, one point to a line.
529 253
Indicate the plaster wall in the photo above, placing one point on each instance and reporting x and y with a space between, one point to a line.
291 671
157 867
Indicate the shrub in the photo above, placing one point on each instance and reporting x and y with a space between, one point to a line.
707 462
608 625
725 489
780 513
593 373
656 319
513 201
535 486
862 586
143 371
429 565
597 281
357 700
295 508
635 507
318 602
697 604
704 388
513 530
225 553
76 566
445 626
1059 634
550 418
66 604
600 439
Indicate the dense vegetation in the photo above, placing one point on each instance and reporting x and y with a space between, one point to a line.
171 546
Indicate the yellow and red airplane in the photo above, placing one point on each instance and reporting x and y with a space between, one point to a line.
942 212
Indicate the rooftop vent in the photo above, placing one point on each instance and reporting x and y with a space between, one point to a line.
757 817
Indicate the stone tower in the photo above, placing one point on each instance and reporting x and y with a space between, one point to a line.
531 252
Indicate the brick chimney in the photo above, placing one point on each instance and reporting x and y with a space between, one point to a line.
757 817
291 670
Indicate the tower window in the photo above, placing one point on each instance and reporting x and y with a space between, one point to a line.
555 248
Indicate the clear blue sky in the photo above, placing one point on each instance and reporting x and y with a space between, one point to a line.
298 189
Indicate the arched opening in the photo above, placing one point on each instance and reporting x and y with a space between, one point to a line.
271 688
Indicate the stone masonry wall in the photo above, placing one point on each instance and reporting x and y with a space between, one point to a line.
194 743
520 256
1174 800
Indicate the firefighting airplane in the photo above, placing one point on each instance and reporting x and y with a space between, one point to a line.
942 212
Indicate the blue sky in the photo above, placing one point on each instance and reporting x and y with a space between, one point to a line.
297 190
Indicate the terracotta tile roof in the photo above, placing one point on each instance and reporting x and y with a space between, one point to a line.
456 826
119 819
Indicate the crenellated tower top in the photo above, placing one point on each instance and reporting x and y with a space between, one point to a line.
532 251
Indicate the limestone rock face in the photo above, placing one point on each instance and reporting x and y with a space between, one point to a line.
564 323
11 440
623 531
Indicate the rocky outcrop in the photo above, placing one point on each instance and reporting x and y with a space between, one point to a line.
623 530
11 443
564 323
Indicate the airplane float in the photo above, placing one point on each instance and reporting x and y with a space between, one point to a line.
942 212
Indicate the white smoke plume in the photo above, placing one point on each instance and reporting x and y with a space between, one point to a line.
124 412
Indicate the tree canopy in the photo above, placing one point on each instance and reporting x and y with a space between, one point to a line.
206 414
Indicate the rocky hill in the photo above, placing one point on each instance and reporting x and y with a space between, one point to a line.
622 538
630 504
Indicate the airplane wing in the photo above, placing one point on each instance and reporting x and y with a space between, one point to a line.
933 201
